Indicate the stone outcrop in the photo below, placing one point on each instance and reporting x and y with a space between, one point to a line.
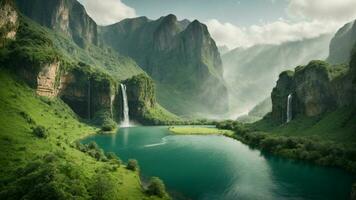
8 21
46 80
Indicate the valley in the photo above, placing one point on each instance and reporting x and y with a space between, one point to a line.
157 108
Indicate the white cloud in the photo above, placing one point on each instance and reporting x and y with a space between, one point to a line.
323 10
269 33
106 12
308 19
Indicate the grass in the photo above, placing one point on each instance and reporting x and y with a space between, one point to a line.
184 130
338 126
22 110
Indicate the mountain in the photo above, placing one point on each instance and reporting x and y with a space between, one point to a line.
257 112
342 44
180 56
250 73
65 60
66 16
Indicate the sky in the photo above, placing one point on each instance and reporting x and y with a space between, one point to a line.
237 23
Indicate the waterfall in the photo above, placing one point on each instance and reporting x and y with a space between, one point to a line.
289 108
89 98
126 121
112 99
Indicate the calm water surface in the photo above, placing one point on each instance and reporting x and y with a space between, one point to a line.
217 167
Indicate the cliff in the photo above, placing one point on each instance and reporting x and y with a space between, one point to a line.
316 88
66 16
342 43
178 55
143 107
8 21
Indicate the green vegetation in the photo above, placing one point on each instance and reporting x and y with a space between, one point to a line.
156 187
132 165
40 132
198 131
326 140
52 167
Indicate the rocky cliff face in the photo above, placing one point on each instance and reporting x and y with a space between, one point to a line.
140 96
85 93
342 44
179 55
284 87
315 88
46 80
8 21
66 16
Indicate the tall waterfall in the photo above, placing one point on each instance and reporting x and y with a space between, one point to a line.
289 108
89 96
126 121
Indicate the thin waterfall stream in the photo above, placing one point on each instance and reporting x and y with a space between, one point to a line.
126 120
289 108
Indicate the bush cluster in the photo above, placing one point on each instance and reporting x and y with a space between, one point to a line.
322 153
132 165
156 187
40 132
93 150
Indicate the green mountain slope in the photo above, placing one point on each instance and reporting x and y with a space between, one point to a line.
37 167
86 78
180 56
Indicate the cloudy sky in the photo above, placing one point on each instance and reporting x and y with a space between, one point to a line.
238 23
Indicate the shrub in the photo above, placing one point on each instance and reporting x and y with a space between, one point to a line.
156 187
40 132
103 186
93 145
108 125
132 165
113 157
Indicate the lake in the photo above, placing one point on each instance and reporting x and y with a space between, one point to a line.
218 167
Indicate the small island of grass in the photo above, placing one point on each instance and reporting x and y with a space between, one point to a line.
189 130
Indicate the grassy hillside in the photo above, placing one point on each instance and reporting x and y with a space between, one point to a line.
328 139
35 166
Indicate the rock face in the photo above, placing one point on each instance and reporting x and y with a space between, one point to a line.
85 93
313 89
66 16
251 73
46 80
284 87
316 89
342 44
140 96
8 21
178 55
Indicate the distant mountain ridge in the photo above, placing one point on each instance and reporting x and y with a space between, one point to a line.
250 73
178 55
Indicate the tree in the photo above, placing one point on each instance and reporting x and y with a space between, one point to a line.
132 164
156 187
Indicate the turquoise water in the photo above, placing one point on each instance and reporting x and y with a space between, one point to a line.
217 167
